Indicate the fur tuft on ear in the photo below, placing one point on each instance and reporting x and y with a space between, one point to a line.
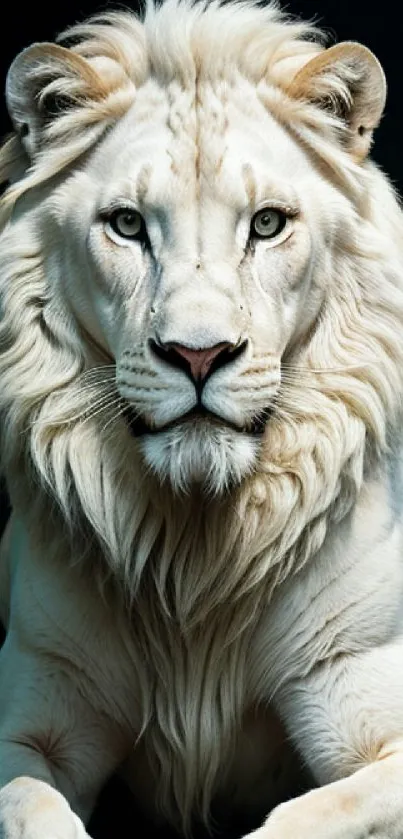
48 81
347 80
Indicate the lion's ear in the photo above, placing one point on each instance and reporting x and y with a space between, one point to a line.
348 80
44 82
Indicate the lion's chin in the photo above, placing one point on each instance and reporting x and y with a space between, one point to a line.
212 458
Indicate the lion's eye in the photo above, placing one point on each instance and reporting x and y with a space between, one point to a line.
128 224
268 223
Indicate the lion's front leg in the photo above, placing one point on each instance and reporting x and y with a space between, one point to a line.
31 809
347 720
55 754
369 805
59 739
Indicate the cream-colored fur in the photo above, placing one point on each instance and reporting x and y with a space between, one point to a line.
167 592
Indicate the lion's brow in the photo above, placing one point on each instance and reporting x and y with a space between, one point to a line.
143 182
281 194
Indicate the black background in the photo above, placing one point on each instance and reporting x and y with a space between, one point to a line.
379 27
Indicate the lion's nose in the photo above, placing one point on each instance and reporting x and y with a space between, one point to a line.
198 363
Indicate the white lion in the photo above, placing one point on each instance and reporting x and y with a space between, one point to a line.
201 362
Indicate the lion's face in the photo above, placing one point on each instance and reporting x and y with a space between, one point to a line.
189 247
214 184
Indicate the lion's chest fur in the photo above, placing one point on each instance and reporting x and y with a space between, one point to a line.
189 698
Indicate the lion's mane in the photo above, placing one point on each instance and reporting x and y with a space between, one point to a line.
196 571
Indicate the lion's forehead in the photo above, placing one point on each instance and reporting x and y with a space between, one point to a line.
178 143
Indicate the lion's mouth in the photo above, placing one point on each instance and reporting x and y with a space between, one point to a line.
138 426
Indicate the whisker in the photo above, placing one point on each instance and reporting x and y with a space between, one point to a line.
93 381
82 388
86 410
100 367
116 416
284 413
103 399
283 406
95 371
323 370
293 384
99 410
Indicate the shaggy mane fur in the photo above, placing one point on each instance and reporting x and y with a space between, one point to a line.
195 572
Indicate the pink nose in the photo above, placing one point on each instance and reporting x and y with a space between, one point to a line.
199 361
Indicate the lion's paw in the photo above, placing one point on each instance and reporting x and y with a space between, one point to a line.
31 809
322 814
